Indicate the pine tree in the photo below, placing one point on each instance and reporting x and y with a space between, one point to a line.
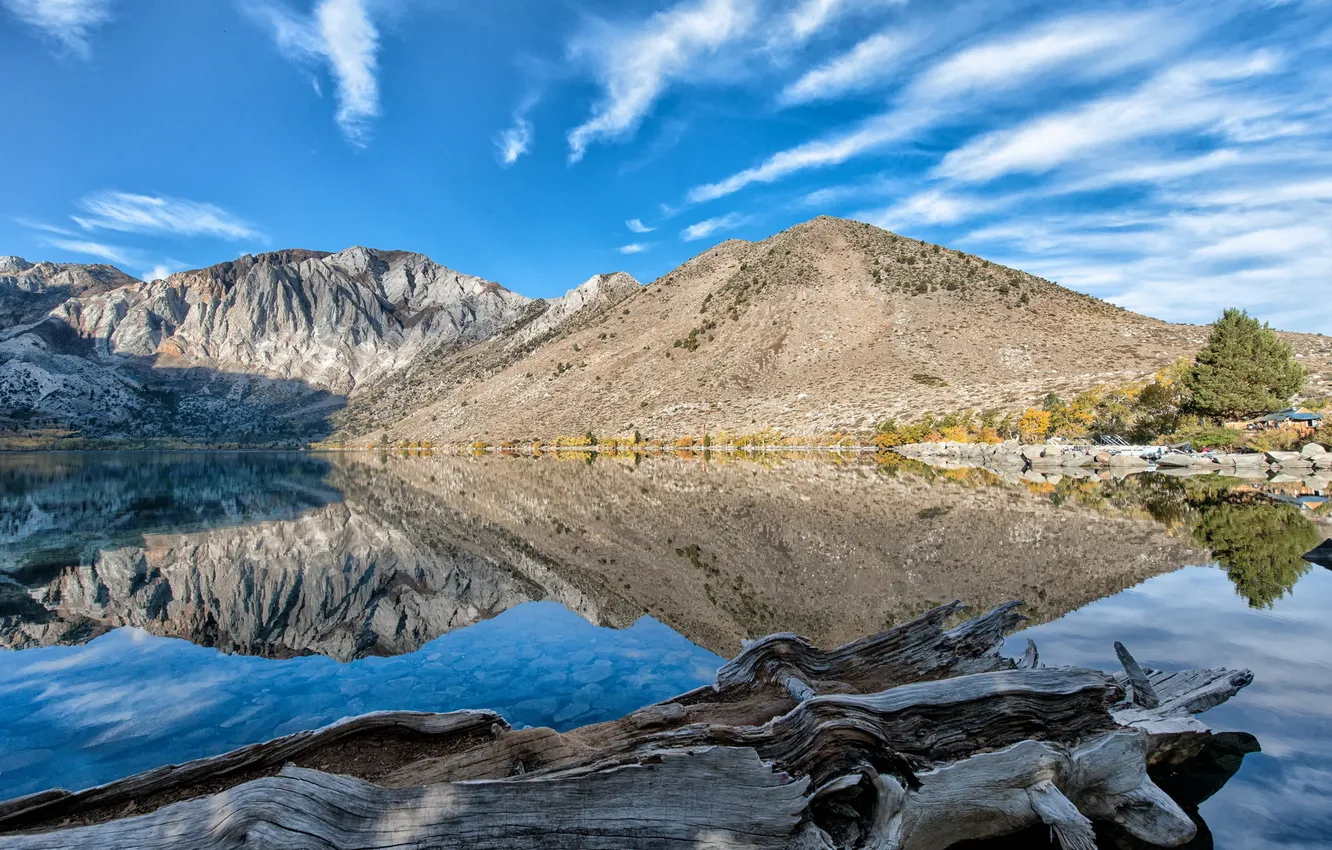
1245 369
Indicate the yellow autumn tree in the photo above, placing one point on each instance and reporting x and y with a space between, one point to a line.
1034 425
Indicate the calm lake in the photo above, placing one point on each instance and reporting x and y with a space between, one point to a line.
160 607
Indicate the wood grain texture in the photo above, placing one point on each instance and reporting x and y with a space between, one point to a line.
674 802
268 755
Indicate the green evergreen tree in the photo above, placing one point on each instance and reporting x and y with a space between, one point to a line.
1244 370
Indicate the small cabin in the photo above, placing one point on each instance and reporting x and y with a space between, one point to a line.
1291 415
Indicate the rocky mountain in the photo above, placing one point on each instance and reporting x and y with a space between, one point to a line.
831 325
260 349
30 290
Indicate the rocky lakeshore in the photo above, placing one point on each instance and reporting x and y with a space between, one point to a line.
1312 463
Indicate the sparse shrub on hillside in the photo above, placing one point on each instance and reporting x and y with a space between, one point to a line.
1324 436
929 380
1203 435
766 437
573 441
1284 439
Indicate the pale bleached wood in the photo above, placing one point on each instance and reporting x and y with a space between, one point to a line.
1031 656
268 755
918 650
675 800
1140 687
1174 734
998 793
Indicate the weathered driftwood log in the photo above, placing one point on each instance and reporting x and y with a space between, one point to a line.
912 739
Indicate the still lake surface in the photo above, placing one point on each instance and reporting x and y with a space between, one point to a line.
159 607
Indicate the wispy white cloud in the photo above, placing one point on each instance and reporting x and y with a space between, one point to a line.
807 18
1248 239
1081 46
67 21
340 34
1185 97
514 141
110 253
707 227
637 226
868 62
637 64
130 213
932 206
44 227
633 248
161 271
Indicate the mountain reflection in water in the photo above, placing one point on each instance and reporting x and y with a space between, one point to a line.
357 556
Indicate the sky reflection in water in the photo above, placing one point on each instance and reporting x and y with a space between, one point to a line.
1281 797
129 701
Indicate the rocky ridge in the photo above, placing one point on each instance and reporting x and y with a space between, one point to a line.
28 291
259 349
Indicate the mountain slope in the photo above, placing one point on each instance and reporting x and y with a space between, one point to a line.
830 325
440 371
30 290
260 349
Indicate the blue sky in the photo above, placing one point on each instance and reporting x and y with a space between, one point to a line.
1170 157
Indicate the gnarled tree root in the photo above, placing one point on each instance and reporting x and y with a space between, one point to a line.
913 739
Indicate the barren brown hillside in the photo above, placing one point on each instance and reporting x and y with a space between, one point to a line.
831 325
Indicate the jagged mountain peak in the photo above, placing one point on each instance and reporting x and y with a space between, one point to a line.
10 264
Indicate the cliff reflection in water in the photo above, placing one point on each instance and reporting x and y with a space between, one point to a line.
351 556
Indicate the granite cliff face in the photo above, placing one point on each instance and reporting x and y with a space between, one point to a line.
29 291
333 321
258 350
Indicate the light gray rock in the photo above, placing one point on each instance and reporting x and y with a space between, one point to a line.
1127 461
1177 459
1281 457
1313 451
